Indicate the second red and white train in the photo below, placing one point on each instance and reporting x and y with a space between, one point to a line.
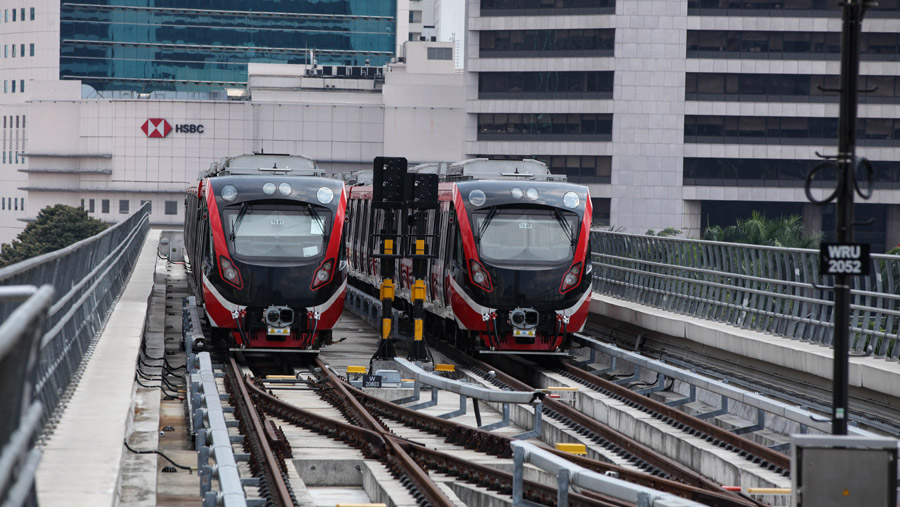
512 267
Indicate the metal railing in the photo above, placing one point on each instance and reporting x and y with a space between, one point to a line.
20 338
88 277
767 289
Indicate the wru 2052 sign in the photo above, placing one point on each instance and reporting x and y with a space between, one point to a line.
844 259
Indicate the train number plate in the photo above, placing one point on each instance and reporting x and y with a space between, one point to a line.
529 333
279 331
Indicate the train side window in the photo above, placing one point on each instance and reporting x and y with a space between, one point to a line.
458 253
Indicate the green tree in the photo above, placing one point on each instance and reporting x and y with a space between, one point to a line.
665 233
55 227
759 230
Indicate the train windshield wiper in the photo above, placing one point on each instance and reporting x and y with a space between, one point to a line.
565 225
484 225
316 218
238 220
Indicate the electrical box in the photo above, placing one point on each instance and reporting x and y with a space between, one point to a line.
843 471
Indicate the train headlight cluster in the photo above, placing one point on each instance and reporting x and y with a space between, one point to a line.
571 200
325 195
479 276
532 194
477 197
517 193
570 279
269 188
229 272
229 193
323 274
285 189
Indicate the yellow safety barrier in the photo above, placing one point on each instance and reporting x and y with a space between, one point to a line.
420 247
280 377
385 328
444 367
389 247
559 388
417 332
360 505
578 449
387 289
418 290
356 369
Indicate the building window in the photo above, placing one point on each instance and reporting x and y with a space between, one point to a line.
546 8
545 85
14 14
13 86
104 206
32 13
540 126
13 49
414 35
22 50
787 45
171 207
440 53
5 51
546 43
22 12
15 199
91 205
123 206
601 209
787 130
415 16
6 15
82 204
4 204
31 49
576 168
799 8
21 86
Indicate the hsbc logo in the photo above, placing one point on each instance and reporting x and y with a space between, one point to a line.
156 127
159 127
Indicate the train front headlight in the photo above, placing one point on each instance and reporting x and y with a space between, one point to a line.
229 272
323 274
477 197
570 279
229 193
285 189
571 200
325 195
269 188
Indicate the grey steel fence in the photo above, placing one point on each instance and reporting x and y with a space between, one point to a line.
768 289
88 277
20 412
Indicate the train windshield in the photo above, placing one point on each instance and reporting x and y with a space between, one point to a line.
277 231
531 235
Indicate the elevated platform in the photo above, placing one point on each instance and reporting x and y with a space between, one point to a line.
82 457
875 375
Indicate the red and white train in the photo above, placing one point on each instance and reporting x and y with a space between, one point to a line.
512 267
264 236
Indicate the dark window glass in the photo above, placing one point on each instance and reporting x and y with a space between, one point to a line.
14 14
164 46
786 130
787 45
104 206
803 8
546 43
440 53
32 13
31 49
123 206
784 87
545 85
546 7
171 208
601 210
91 205
579 126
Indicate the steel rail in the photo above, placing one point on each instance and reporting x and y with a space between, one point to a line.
768 456
498 445
399 459
271 467
378 444
650 456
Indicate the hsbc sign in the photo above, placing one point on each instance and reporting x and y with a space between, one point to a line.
159 127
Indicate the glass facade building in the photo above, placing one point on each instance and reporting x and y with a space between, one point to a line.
187 45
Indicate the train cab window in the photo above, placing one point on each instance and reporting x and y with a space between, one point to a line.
533 235
277 231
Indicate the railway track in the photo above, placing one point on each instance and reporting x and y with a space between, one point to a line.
869 413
